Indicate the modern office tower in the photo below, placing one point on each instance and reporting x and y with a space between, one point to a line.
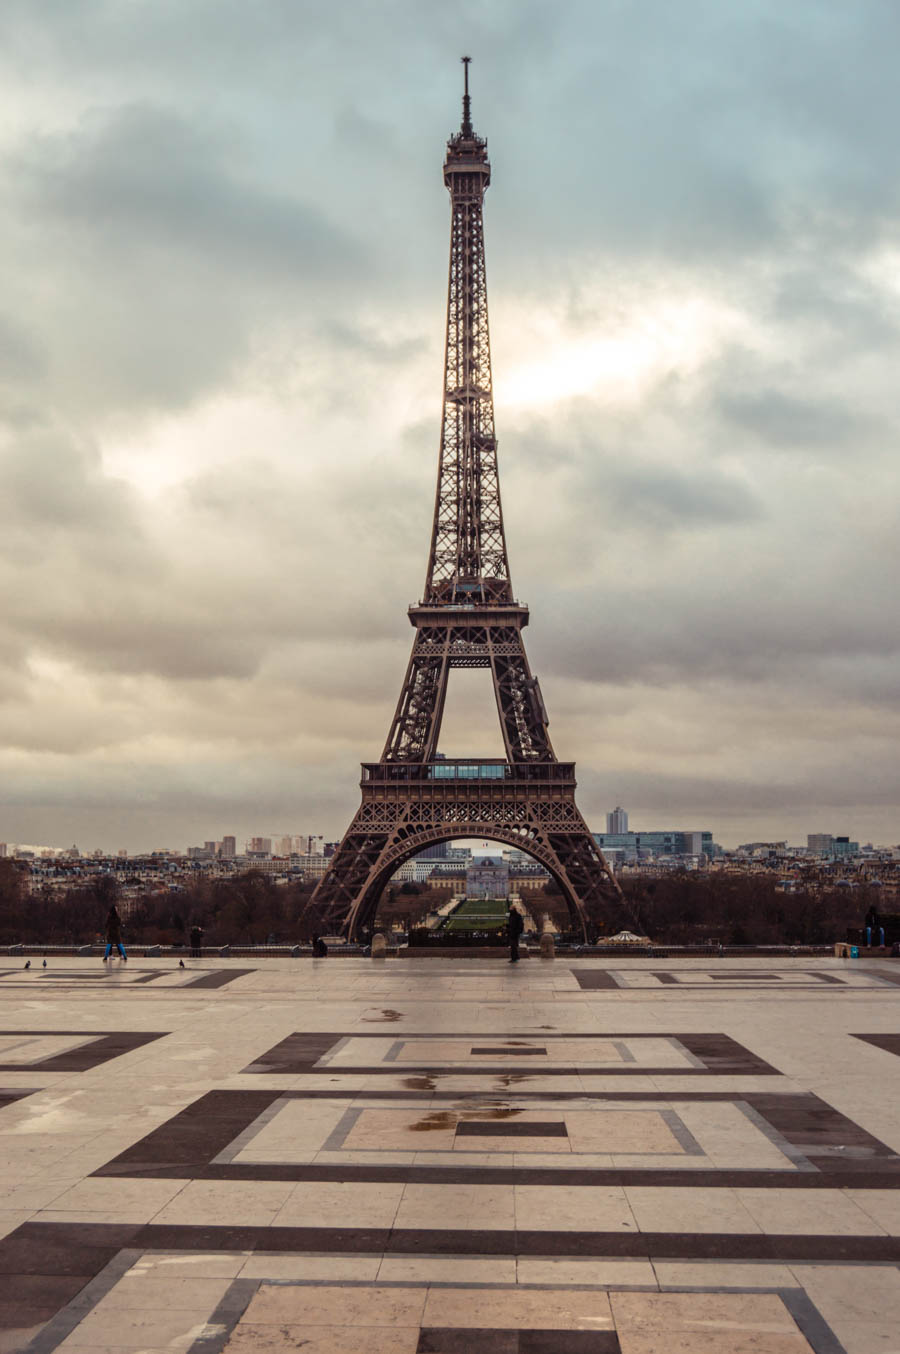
259 846
229 848
316 845
819 843
617 821
211 848
283 846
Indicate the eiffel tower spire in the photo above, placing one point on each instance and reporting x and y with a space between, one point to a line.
467 618
467 561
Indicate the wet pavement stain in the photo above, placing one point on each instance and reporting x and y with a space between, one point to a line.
439 1119
512 1078
426 1083
444 1119
386 1017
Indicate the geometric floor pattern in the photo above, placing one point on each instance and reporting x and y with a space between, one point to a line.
401 1156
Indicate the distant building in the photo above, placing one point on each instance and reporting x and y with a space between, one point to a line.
313 864
414 871
283 846
617 821
2 849
259 846
229 848
201 852
635 846
487 877
832 848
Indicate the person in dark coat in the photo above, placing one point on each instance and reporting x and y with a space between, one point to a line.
196 941
114 934
515 925
319 948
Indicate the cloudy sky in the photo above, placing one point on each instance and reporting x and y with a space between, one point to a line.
223 251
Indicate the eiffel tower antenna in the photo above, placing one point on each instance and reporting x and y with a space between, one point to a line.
466 128
468 618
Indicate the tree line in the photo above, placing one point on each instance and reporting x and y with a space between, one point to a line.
677 908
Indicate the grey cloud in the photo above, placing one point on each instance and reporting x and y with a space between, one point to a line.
147 181
209 204
659 496
785 420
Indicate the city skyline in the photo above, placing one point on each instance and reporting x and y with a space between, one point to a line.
220 412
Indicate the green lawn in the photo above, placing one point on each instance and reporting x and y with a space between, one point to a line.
478 914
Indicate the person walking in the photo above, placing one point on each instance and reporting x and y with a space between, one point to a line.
515 925
196 942
114 934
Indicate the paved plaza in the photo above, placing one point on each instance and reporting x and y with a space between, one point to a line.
356 1156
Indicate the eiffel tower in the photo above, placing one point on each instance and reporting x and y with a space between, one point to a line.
468 618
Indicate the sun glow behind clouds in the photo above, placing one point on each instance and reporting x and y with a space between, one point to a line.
627 350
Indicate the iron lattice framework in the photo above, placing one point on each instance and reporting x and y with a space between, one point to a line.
468 618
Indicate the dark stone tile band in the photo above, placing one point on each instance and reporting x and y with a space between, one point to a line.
480 1340
219 978
507 1052
100 1050
889 1042
9 1097
71 1249
510 1128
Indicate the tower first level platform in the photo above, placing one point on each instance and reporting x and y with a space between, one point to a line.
408 806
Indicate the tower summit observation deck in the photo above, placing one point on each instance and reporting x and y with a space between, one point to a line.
468 618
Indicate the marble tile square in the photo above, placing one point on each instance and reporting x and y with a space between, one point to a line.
448 1206
336 1204
335 1305
518 1309
306 1268
882 1206
594 1272
249 1338
686 1209
139 1329
190 1264
578 1208
234 1203
128 1200
444 1269
708 1323
820 1212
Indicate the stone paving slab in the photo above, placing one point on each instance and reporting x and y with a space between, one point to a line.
572 1156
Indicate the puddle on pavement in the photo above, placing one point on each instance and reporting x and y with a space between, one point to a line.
444 1119
386 1017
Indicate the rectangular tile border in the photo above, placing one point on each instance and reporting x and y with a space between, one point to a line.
53 1304
713 1054
98 1048
198 1142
